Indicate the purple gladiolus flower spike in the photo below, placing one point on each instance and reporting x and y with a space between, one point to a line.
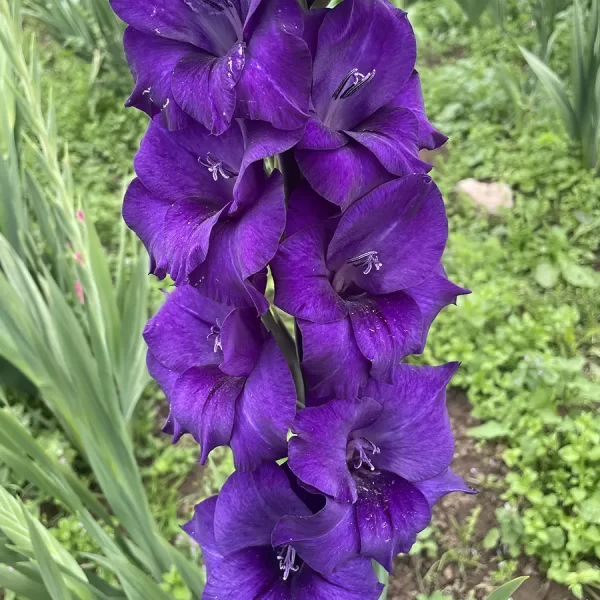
365 288
234 530
214 60
383 460
205 209
226 380
368 121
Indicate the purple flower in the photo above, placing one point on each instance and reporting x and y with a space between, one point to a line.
205 209
365 289
234 530
217 59
383 461
224 376
367 121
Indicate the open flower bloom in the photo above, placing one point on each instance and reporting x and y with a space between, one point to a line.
383 461
234 531
224 376
367 121
205 209
217 59
366 288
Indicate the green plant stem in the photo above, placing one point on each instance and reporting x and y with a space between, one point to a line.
383 577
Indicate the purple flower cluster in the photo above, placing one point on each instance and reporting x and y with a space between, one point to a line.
340 447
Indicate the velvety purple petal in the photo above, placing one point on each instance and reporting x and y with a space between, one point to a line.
242 337
241 246
173 428
391 134
203 402
204 86
145 214
261 141
265 411
411 97
317 454
250 574
432 295
353 580
172 172
435 488
414 432
313 19
188 229
152 61
390 512
306 208
166 379
179 335
404 222
275 83
319 137
191 21
342 175
201 529
387 329
325 540
333 366
250 505
366 35
302 286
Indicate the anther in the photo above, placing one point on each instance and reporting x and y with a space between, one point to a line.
216 167
360 80
368 260
216 331
287 562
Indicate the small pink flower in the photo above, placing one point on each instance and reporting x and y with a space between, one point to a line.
79 290
80 216
78 257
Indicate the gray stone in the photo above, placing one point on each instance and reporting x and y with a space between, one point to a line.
492 197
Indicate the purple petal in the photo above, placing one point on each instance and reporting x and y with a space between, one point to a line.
353 580
414 432
393 220
323 541
342 175
152 61
275 83
179 335
173 172
173 428
306 208
166 379
203 402
190 21
204 86
145 213
187 234
319 137
302 286
201 529
313 19
366 35
317 454
411 97
261 141
435 488
391 134
249 574
332 364
242 337
387 329
390 512
250 505
241 246
432 295
265 411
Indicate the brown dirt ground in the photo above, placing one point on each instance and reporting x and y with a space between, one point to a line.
471 577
